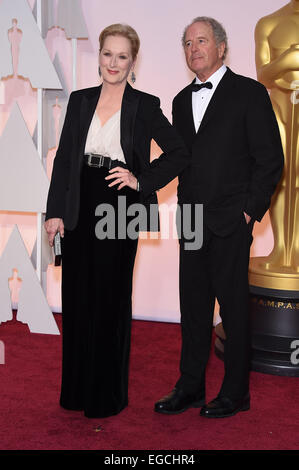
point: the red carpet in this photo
(31, 418)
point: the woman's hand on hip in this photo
(122, 177)
(52, 226)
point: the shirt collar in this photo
(216, 77)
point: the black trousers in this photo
(218, 270)
(96, 305)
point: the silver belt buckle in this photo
(90, 155)
(95, 165)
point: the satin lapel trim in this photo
(88, 107)
(189, 113)
(220, 97)
(129, 108)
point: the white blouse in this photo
(105, 140)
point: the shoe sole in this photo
(196, 404)
(243, 408)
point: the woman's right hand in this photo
(52, 226)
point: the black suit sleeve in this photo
(61, 167)
(266, 153)
(174, 159)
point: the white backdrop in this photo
(160, 70)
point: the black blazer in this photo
(141, 121)
(236, 155)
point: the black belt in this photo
(97, 161)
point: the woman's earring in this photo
(99, 70)
(133, 77)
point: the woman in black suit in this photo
(107, 128)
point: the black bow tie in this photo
(197, 86)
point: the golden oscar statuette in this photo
(274, 279)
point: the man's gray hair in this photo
(218, 31)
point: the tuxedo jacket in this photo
(141, 121)
(236, 155)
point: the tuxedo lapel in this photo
(189, 113)
(185, 116)
(127, 121)
(219, 99)
(88, 107)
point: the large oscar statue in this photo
(274, 279)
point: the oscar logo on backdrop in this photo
(274, 279)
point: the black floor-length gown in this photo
(96, 304)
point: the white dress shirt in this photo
(201, 98)
(105, 140)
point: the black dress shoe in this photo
(178, 401)
(222, 407)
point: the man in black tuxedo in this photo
(228, 124)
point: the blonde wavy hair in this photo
(124, 30)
